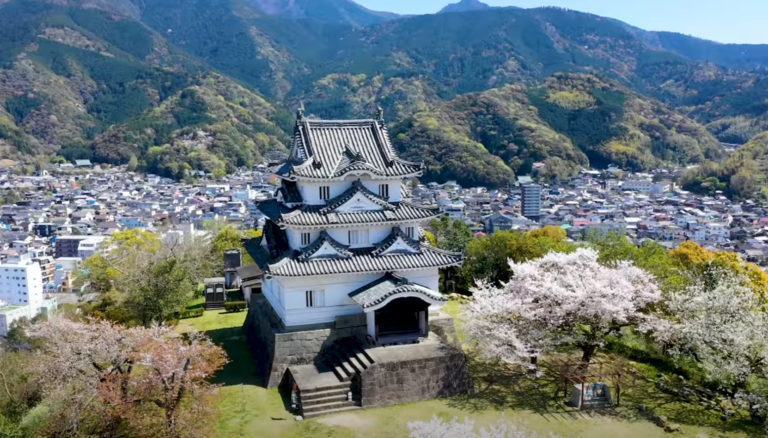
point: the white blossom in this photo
(559, 298)
(720, 324)
(437, 428)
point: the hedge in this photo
(235, 306)
(191, 313)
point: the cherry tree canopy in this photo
(721, 324)
(558, 299)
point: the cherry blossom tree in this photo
(142, 379)
(555, 300)
(721, 324)
(437, 428)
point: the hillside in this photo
(211, 84)
(571, 121)
(464, 6)
(89, 84)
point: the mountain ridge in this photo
(465, 6)
(210, 85)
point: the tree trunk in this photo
(588, 351)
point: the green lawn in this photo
(249, 410)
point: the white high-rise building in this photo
(21, 291)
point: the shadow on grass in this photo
(499, 386)
(241, 368)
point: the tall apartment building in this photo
(530, 200)
(21, 291)
(67, 246)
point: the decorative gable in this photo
(325, 247)
(399, 246)
(326, 250)
(397, 243)
(358, 202)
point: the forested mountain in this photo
(478, 94)
(570, 121)
(330, 11)
(465, 6)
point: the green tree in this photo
(487, 258)
(450, 235)
(227, 238)
(133, 163)
(168, 288)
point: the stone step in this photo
(327, 406)
(341, 359)
(362, 357)
(324, 400)
(331, 411)
(340, 385)
(337, 366)
(321, 394)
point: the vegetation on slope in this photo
(569, 122)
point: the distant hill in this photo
(465, 6)
(330, 11)
(571, 121)
(212, 84)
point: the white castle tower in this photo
(341, 239)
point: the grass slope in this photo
(247, 409)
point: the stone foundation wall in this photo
(409, 381)
(274, 348)
(443, 325)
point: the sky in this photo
(725, 21)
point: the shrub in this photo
(191, 313)
(235, 306)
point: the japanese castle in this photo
(341, 237)
(350, 310)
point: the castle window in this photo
(411, 232)
(384, 191)
(315, 298)
(359, 238)
(305, 239)
(325, 193)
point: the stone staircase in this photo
(346, 359)
(328, 400)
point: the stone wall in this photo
(274, 348)
(408, 381)
(443, 325)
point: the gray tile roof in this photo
(387, 286)
(333, 148)
(361, 262)
(319, 215)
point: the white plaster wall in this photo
(310, 191)
(337, 300)
(376, 234)
(271, 289)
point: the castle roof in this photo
(390, 285)
(330, 214)
(327, 149)
(327, 256)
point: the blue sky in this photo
(734, 21)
